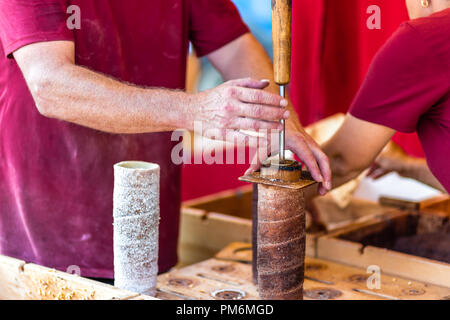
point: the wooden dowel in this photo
(281, 35)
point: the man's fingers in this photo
(301, 149)
(376, 172)
(252, 124)
(233, 136)
(254, 165)
(372, 170)
(324, 164)
(255, 96)
(241, 123)
(322, 190)
(261, 112)
(262, 153)
(250, 83)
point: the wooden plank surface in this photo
(231, 270)
(334, 217)
(332, 247)
(28, 281)
(10, 270)
(391, 262)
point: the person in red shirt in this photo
(76, 98)
(407, 89)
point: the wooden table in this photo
(228, 276)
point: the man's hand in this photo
(233, 106)
(312, 156)
(309, 152)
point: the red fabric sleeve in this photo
(404, 81)
(23, 22)
(213, 24)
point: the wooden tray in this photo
(362, 244)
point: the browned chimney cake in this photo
(280, 239)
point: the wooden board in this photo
(348, 251)
(439, 203)
(334, 217)
(391, 262)
(27, 281)
(230, 271)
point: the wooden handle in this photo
(281, 34)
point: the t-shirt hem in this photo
(385, 123)
(30, 39)
(243, 29)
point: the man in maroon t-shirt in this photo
(74, 102)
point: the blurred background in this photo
(331, 51)
(257, 15)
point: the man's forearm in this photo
(78, 95)
(72, 93)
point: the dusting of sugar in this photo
(136, 223)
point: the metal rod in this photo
(255, 232)
(282, 132)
